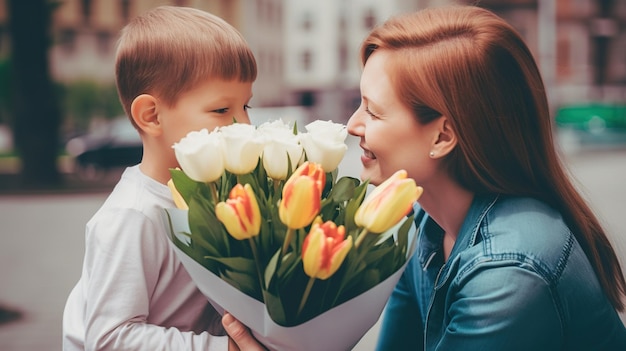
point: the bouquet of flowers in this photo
(269, 232)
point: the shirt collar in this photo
(430, 234)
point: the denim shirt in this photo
(516, 279)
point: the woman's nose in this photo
(354, 125)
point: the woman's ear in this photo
(446, 138)
(144, 112)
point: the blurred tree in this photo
(5, 91)
(36, 112)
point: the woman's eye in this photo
(220, 110)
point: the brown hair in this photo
(169, 50)
(468, 64)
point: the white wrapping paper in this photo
(339, 328)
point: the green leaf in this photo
(354, 203)
(236, 264)
(185, 185)
(270, 270)
(190, 249)
(344, 189)
(206, 228)
(275, 308)
(244, 282)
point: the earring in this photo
(431, 154)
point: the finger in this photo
(240, 334)
(232, 345)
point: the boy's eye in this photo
(372, 114)
(246, 107)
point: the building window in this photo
(104, 42)
(369, 21)
(67, 39)
(306, 60)
(86, 11)
(125, 9)
(307, 21)
(343, 57)
(563, 63)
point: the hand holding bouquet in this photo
(267, 214)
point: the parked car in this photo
(115, 145)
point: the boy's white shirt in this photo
(134, 293)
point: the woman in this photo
(509, 255)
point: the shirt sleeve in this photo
(402, 327)
(497, 307)
(123, 264)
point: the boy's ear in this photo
(144, 112)
(446, 139)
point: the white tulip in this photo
(281, 143)
(200, 155)
(243, 146)
(324, 143)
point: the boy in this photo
(177, 70)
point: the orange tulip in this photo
(325, 249)
(388, 203)
(302, 194)
(240, 214)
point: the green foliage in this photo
(85, 99)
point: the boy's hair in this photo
(169, 50)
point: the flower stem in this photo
(305, 296)
(255, 253)
(276, 185)
(360, 237)
(287, 241)
(213, 188)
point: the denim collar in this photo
(430, 235)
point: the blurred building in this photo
(580, 45)
(85, 34)
(307, 51)
(322, 39)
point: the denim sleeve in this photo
(500, 307)
(402, 327)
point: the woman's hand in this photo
(240, 337)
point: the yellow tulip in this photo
(178, 199)
(302, 195)
(240, 213)
(388, 203)
(324, 250)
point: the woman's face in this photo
(391, 137)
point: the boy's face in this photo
(211, 104)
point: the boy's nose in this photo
(242, 118)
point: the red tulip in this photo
(240, 214)
(302, 194)
(388, 203)
(324, 250)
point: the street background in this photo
(43, 242)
